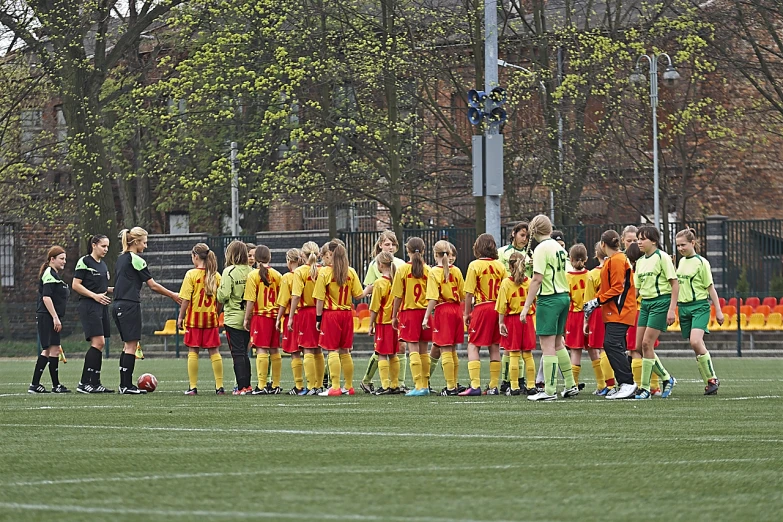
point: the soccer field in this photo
(168, 456)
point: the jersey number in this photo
(561, 261)
(342, 297)
(269, 296)
(201, 302)
(417, 292)
(494, 288)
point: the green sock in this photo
(660, 371)
(550, 374)
(564, 361)
(403, 368)
(372, 367)
(433, 364)
(504, 361)
(647, 369)
(705, 367)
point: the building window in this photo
(60, 130)
(6, 255)
(31, 121)
(351, 217)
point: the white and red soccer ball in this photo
(147, 382)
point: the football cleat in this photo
(491, 391)
(602, 392)
(712, 387)
(103, 389)
(60, 389)
(383, 391)
(470, 392)
(367, 388)
(259, 391)
(314, 391)
(656, 392)
(542, 396)
(37, 389)
(626, 391)
(277, 390)
(85, 388)
(460, 388)
(447, 392)
(346, 391)
(570, 392)
(512, 392)
(642, 394)
(581, 386)
(504, 387)
(531, 391)
(396, 391)
(331, 392)
(667, 387)
(131, 390)
(192, 391)
(295, 391)
(220, 391)
(418, 392)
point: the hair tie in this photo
(416, 251)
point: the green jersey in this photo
(653, 275)
(695, 278)
(373, 274)
(549, 260)
(505, 252)
(231, 293)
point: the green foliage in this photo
(776, 286)
(743, 285)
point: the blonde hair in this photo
(130, 237)
(236, 253)
(339, 260)
(578, 256)
(690, 235)
(310, 253)
(294, 255)
(385, 235)
(540, 226)
(442, 249)
(516, 265)
(210, 267)
(386, 259)
(600, 255)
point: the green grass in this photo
(167, 456)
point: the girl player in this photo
(482, 284)
(337, 283)
(575, 332)
(199, 314)
(594, 330)
(656, 282)
(515, 335)
(696, 292)
(293, 259)
(231, 293)
(551, 286)
(52, 299)
(91, 282)
(386, 342)
(261, 304)
(633, 253)
(387, 242)
(409, 292)
(445, 290)
(302, 313)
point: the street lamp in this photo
(670, 75)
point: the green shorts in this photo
(694, 315)
(551, 314)
(653, 313)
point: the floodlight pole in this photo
(234, 191)
(491, 203)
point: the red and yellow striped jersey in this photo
(264, 296)
(304, 285)
(483, 279)
(411, 290)
(451, 291)
(577, 282)
(202, 310)
(593, 284)
(334, 296)
(382, 299)
(284, 296)
(511, 297)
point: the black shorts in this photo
(127, 318)
(238, 340)
(95, 319)
(46, 333)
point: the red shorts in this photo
(630, 336)
(386, 342)
(290, 339)
(483, 329)
(304, 326)
(263, 333)
(336, 330)
(202, 337)
(410, 329)
(513, 341)
(575, 331)
(596, 326)
(448, 329)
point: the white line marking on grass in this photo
(750, 398)
(210, 513)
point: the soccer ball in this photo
(148, 382)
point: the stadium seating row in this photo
(752, 302)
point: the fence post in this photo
(715, 251)
(176, 336)
(739, 324)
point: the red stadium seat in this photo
(746, 310)
(753, 302)
(770, 301)
(362, 306)
(722, 301)
(733, 301)
(729, 310)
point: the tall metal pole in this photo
(234, 191)
(654, 104)
(492, 203)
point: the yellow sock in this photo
(456, 364)
(530, 369)
(334, 369)
(320, 369)
(414, 359)
(447, 362)
(277, 369)
(600, 382)
(296, 369)
(309, 369)
(513, 370)
(655, 382)
(346, 361)
(217, 369)
(494, 373)
(262, 367)
(606, 369)
(576, 369)
(474, 370)
(425, 370)
(383, 370)
(636, 370)
(394, 371)
(193, 369)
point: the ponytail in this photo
(415, 247)
(210, 267)
(442, 249)
(132, 236)
(339, 261)
(690, 235)
(387, 259)
(516, 265)
(263, 255)
(54, 251)
(310, 252)
(578, 256)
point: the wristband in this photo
(318, 318)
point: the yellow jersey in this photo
(264, 296)
(381, 302)
(483, 279)
(450, 291)
(412, 290)
(511, 297)
(593, 284)
(284, 296)
(303, 286)
(577, 283)
(202, 310)
(334, 296)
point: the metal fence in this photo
(754, 252)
